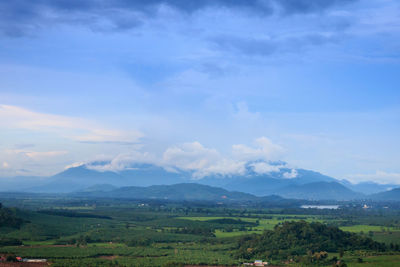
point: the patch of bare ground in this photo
(24, 264)
(210, 266)
(50, 246)
(222, 266)
(109, 257)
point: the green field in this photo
(131, 234)
(367, 228)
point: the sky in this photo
(202, 85)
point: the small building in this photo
(256, 263)
(34, 260)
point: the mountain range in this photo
(283, 181)
(391, 195)
(183, 191)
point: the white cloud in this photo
(292, 174)
(264, 167)
(378, 177)
(201, 160)
(37, 155)
(224, 167)
(190, 156)
(69, 127)
(264, 149)
(123, 161)
(74, 165)
(45, 154)
(243, 113)
(195, 158)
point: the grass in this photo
(387, 237)
(154, 255)
(374, 261)
(110, 236)
(220, 234)
(264, 224)
(366, 228)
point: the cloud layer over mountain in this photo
(202, 161)
(189, 84)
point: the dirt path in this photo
(23, 264)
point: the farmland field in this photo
(169, 234)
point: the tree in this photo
(296, 238)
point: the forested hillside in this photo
(301, 238)
(8, 218)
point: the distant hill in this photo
(193, 191)
(75, 179)
(184, 191)
(100, 188)
(392, 195)
(299, 238)
(267, 184)
(282, 181)
(368, 187)
(20, 183)
(320, 191)
(80, 178)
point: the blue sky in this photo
(201, 85)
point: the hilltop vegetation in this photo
(123, 232)
(391, 195)
(8, 218)
(299, 238)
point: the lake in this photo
(334, 207)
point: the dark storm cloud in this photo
(21, 17)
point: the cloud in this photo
(264, 149)
(289, 175)
(23, 146)
(68, 127)
(37, 155)
(264, 167)
(201, 160)
(22, 17)
(309, 6)
(74, 165)
(122, 162)
(45, 154)
(378, 177)
(266, 46)
(190, 155)
(195, 158)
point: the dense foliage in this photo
(115, 232)
(73, 214)
(8, 218)
(6, 241)
(299, 238)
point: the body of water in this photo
(334, 207)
